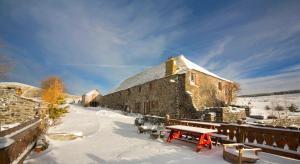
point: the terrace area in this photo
(108, 136)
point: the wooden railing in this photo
(10, 130)
(24, 137)
(280, 141)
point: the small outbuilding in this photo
(91, 98)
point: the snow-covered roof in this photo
(92, 92)
(157, 72)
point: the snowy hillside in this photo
(28, 90)
(157, 72)
(258, 104)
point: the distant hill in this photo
(271, 93)
(28, 90)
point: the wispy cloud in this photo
(217, 50)
(119, 39)
(100, 43)
(259, 48)
(106, 65)
(273, 83)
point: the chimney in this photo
(170, 66)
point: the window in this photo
(150, 86)
(129, 92)
(137, 107)
(220, 86)
(193, 78)
(140, 88)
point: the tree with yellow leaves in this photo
(53, 90)
(53, 93)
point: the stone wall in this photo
(157, 97)
(207, 91)
(224, 114)
(16, 109)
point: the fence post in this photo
(240, 137)
(167, 119)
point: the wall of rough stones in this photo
(157, 97)
(15, 109)
(205, 90)
(225, 114)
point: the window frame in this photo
(220, 86)
(193, 78)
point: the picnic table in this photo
(204, 124)
(202, 133)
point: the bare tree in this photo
(5, 63)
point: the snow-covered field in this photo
(110, 137)
(258, 104)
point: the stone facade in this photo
(181, 94)
(157, 97)
(224, 114)
(16, 109)
(208, 91)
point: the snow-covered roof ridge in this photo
(190, 65)
(157, 72)
(91, 92)
(147, 75)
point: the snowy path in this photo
(78, 122)
(110, 137)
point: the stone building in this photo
(91, 98)
(177, 87)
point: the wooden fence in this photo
(280, 141)
(24, 137)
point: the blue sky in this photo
(97, 44)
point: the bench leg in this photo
(208, 141)
(204, 139)
(200, 143)
(174, 135)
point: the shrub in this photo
(19, 91)
(267, 107)
(292, 108)
(55, 113)
(61, 101)
(279, 108)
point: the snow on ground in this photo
(16, 84)
(78, 122)
(258, 103)
(8, 126)
(110, 137)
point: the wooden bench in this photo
(218, 137)
(239, 153)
